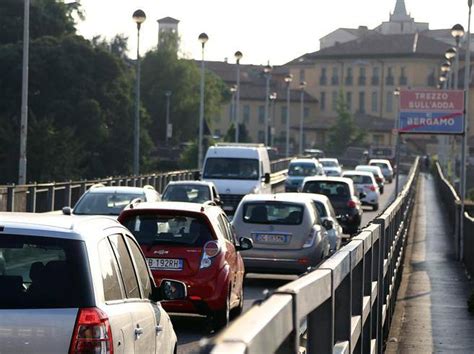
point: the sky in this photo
(263, 30)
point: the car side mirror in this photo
(266, 178)
(169, 290)
(197, 176)
(245, 243)
(362, 195)
(67, 210)
(219, 202)
(328, 224)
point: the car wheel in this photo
(238, 310)
(222, 316)
(375, 207)
(381, 190)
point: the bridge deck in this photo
(431, 312)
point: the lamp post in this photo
(24, 94)
(445, 69)
(203, 39)
(168, 128)
(273, 97)
(238, 55)
(139, 17)
(268, 74)
(288, 79)
(302, 87)
(396, 93)
(449, 55)
(233, 90)
(457, 32)
(467, 77)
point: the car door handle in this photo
(158, 329)
(138, 332)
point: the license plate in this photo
(165, 264)
(272, 238)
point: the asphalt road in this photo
(191, 329)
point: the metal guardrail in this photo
(343, 306)
(45, 197)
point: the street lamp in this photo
(233, 90)
(24, 94)
(449, 55)
(445, 68)
(268, 75)
(396, 93)
(273, 97)
(457, 32)
(238, 55)
(168, 128)
(302, 87)
(139, 17)
(203, 39)
(288, 79)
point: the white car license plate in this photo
(165, 264)
(272, 238)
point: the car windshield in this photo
(43, 272)
(157, 229)
(279, 213)
(231, 168)
(186, 193)
(104, 203)
(331, 189)
(321, 209)
(301, 169)
(380, 164)
(329, 163)
(360, 179)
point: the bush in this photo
(470, 194)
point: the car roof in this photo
(55, 225)
(361, 173)
(283, 197)
(328, 178)
(328, 159)
(191, 183)
(117, 189)
(304, 159)
(170, 205)
(315, 196)
(380, 160)
(368, 167)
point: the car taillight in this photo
(378, 179)
(92, 333)
(310, 240)
(372, 188)
(210, 250)
(351, 204)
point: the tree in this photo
(243, 134)
(344, 132)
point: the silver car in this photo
(367, 187)
(287, 233)
(79, 285)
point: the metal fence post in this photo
(31, 201)
(11, 198)
(50, 198)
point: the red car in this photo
(195, 244)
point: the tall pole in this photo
(467, 76)
(139, 17)
(302, 86)
(167, 94)
(397, 149)
(267, 94)
(273, 98)
(203, 39)
(238, 56)
(24, 95)
(288, 80)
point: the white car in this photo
(366, 186)
(385, 166)
(377, 172)
(329, 219)
(79, 285)
(331, 167)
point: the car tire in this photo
(222, 317)
(236, 312)
(375, 207)
(381, 190)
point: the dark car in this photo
(342, 194)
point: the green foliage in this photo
(189, 157)
(470, 194)
(344, 132)
(243, 134)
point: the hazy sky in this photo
(276, 30)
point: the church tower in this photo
(168, 33)
(401, 22)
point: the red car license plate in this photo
(165, 264)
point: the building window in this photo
(375, 101)
(362, 77)
(261, 136)
(322, 101)
(306, 112)
(349, 101)
(334, 100)
(389, 107)
(283, 114)
(361, 102)
(261, 114)
(323, 78)
(246, 113)
(389, 80)
(349, 79)
(403, 80)
(335, 76)
(378, 139)
(302, 75)
(375, 76)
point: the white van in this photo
(237, 170)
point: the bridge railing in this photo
(343, 306)
(452, 203)
(44, 197)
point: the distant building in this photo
(168, 33)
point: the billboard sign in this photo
(431, 112)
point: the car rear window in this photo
(302, 169)
(169, 230)
(280, 213)
(43, 272)
(379, 164)
(359, 179)
(186, 193)
(104, 203)
(332, 189)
